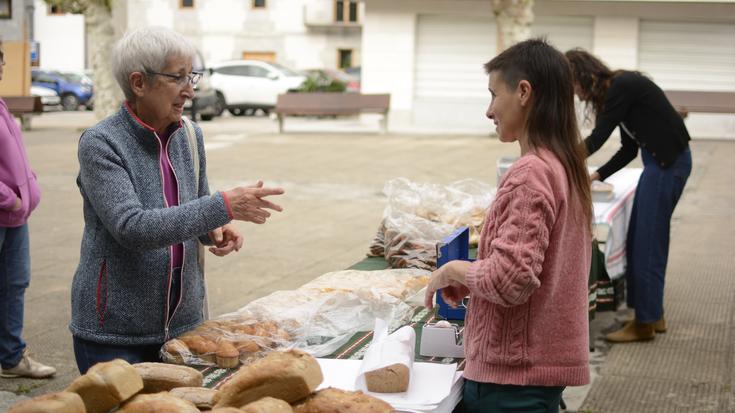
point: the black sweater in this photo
(646, 119)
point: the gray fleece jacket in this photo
(122, 284)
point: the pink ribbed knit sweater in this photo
(527, 322)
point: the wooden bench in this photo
(332, 104)
(24, 107)
(687, 101)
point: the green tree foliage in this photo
(77, 6)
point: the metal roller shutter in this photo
(450, 83)
(687, 55)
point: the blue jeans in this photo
(89, 353)
(15, 275)
(647, 247)
(505, 398)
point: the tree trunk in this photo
(514, 19)
(101, 35)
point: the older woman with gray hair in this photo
(146, 207)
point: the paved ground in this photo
(333, 204)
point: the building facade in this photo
(429, 54)
(300, 34)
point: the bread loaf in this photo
(201, 397)
(157, 403)
(267, 405)
(289, 375)
(333, 400)
(63, 402)
(158, 377)
(389, 379)
(106, 385)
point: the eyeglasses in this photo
(181, 80)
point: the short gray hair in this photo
(146, 49)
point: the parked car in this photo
(49, 98)
(332, 80)
(248, 85)
(73, 92)
(204, 103)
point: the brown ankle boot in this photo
(659, 326)
(632, 331)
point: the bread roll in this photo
(333, 400)
(227, 355)
(157, 403)
(389, 379)
(158, 377)
(106, 385)
(200, 396)
(267, 405)
(63, 402)
(289, 376)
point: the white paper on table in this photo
(430, 384)
(386, 350)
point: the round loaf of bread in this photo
(157, 403)
(63, 402)
(267, 405)
(333, 400)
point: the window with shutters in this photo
(345, 11)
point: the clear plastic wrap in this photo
(318, 317)
(406, 240)
(410, 240)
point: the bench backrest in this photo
(331, 103)
(18, 105)
(689, 101)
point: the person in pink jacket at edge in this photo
(19, 195)
(526, 328)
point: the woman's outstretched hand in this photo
(248, 203)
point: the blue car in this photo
(74, 91)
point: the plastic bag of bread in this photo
(228, 340)
(399, 283)
(410, 240)
(318, 317)
(324, 319)
(460, 204)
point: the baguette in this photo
(158, 377)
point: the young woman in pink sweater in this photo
(526, 331)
